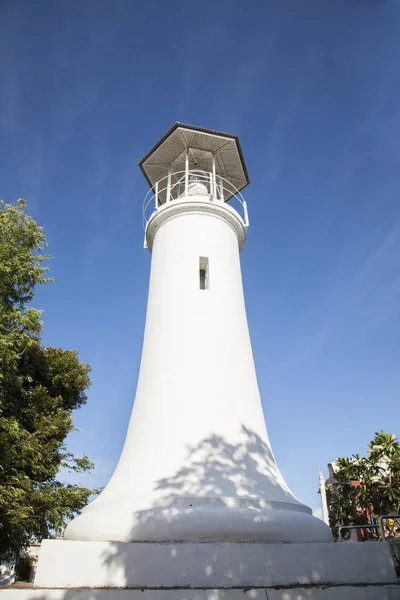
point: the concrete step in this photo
(73, 564)
(344, 592)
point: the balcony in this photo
(196, 185)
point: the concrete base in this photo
(378, 592)
(193, 519)
(70, 564)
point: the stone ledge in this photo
(379, 592)
(73, 564)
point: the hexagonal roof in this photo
(226, 147)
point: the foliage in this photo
(367, 486)
(23, 567)
(39, 388)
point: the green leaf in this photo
(39, 388)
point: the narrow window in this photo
(203, 273)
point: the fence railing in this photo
(345, 528)
(193, 183)
(391, 530)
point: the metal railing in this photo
(190, 183)
(379, 527)
(385, 518)
(355, 527)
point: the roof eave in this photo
(200, 129)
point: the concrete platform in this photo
(379, 592)
(73, 564)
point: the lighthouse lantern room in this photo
(192, 161)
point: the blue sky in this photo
(312, 88)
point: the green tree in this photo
(39, 388)
(367, 486)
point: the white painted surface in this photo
(324, 502)
(390, 592)
(106, 564)
(7, 572)
(197, 463)
(359, 593)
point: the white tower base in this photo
(74, 564)
(347, 592)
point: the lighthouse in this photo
(197, 507)
(197, 464)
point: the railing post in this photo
(246, 215)
(187, 172)
(214, 179)
(169, 186)
(221, 189)
(382, 530)
(156, 196)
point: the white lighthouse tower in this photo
(197, 508)
(197, 464)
